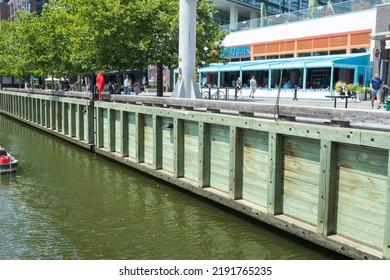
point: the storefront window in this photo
(359, 50)
(304, 54)
(334, 52)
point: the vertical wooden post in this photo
(204, 155)
(386, 238)
(178, 148)
(327, 189)
(235, 163)
(40, 113)
(90, 123)
(53, 120)
(124, 133)
(157, 142)
(48, 113)
(27, 117)
(65, 119)
(111, 130)
(275, 172)
(72, 120)
(59, 116)
(34, 110)
(80, 113)
(139, 137)
(99, 127)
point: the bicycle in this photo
(217, 95)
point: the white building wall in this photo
(362, 20)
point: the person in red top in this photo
(100, 84)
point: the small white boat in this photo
(8, 163)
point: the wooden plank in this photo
(139, 137)
(167, 144)
(148, 139)
(302, 210)
(219, 149)
(132, 134)
(178, 147)
(327, 198)
(100, 127)
(124, 131)
(204, 153)
(274, 200)
(235, 163)
(301, 178)
(157, 142)
(358, 236)
(73, 120)
(59, 117)
(386, 234)
(65, 118)
(360, 220)
(80, 113)
(191, 149)
(255, 166)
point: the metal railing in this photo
(306, 14)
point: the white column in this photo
(186, 85)
(233, 17)
(253, 16)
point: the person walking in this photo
(376, 85)
(127, 85)
(238, 87)
(253, 85)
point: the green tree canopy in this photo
(78, 36)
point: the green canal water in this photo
(64, 202)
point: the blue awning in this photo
(341, 61)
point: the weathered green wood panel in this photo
(301, 178)
(255, 166)
(131, 135)
(148, 139)
(118, 131)
(139, 138)
(65, 119)
(72, 120)
(100, 127)
(167, 144)
(275, 172)
(59, 117)
(219, 152)
(106, 128)
(157, 142)
(362, 189)
(235, 163)
(124, 127)
(386, 239)
(191, 143)
(204, 155)
(178, 147)
(327, 188)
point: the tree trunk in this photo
(160, 86)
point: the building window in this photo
(359, 50)
(304, 54)
(287, 55)
(320, 53)
(334, 52)
(259, 58)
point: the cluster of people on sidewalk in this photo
(128, 85)
(252, 86)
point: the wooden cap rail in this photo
(366, 118)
